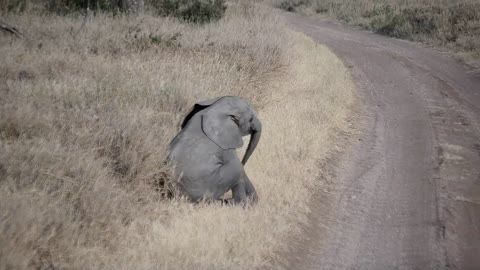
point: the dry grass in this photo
(451, 24)
(86, 116)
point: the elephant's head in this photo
(225, 120)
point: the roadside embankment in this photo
(86, 115)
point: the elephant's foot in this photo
(249, 201)
(229, 201)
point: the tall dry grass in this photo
(453, 24)
(86, 115)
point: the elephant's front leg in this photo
(233, 175)
(227, 177)
(250, 189)
(239, 192)
(244, 190)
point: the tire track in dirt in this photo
(408, 190)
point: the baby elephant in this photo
(204, 155)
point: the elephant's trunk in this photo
(255, 132)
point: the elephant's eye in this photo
(235, 119)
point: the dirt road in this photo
(407, 192)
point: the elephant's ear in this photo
(221, 129)
(198, 107)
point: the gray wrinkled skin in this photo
(203, 153)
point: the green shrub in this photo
(404, 23)
(377, 10)
(197, 11)
(392, 25)
(67, 6)
(202, 11)
(13, 5)
(423, 20)
(291, 5)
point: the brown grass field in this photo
(447, 24)
(86, 115)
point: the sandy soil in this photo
(407, 191)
